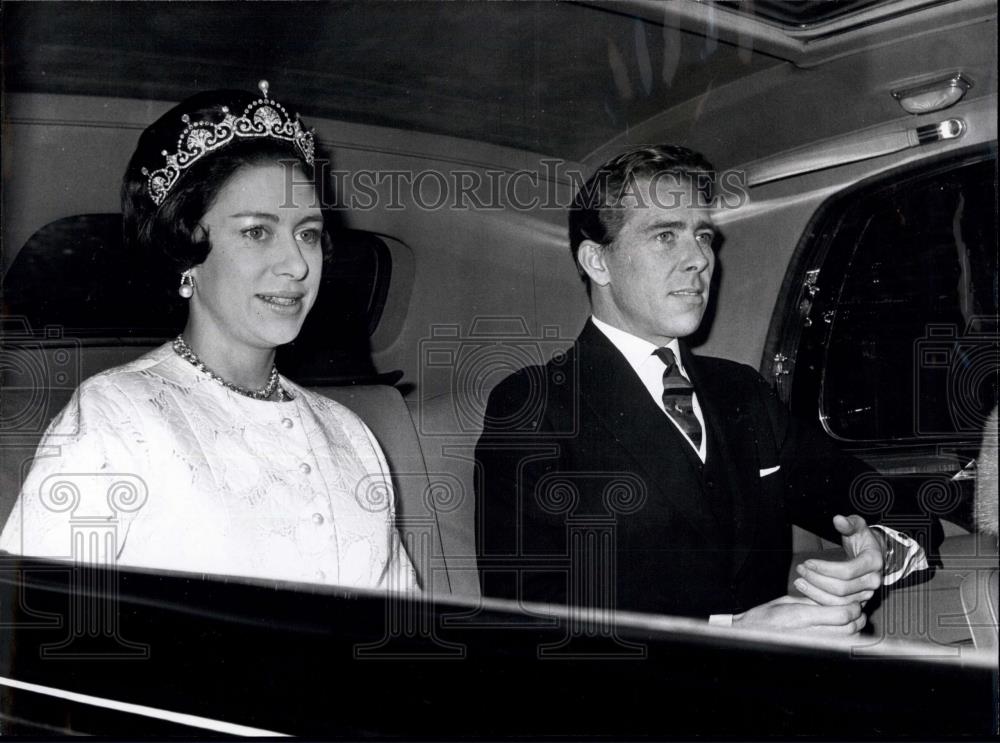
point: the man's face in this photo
(659, 268)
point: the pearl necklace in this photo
(182, 349)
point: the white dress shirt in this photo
(639, 353)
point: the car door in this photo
(887, 334)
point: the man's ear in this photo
(592, 258)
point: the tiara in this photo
(262, 118)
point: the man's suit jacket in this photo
(588, 494)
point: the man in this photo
(631, 474)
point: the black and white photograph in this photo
(480, 370)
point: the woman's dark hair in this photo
(596, 212)
(171, 226)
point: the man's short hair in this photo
(596, 212)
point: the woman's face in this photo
(262, 274)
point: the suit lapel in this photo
(731, 427)
(617, 397)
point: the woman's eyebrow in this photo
(317, 217)
(256, 215)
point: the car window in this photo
(888, 336)
(897, 309)
(912, 344)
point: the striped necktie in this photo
(677, 397)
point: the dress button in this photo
(287, 422)
(318, 518)
(305, 469)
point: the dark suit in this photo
(587, 488)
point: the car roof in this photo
(559, 79)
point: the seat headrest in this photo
(75, 273)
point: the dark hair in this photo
(596, 212)
(171, 226)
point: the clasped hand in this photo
(834, 591)
(854, 580)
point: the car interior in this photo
(859, 250)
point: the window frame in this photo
(907, 467)
(797, 301)
(285, 644)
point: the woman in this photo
(200, 456)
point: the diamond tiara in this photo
(262, 118)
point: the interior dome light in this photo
(933, 96)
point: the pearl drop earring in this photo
(186, 288)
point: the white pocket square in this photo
(769, 471)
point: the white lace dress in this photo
(153, 464)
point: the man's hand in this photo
(802, 615)
(855, 580)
